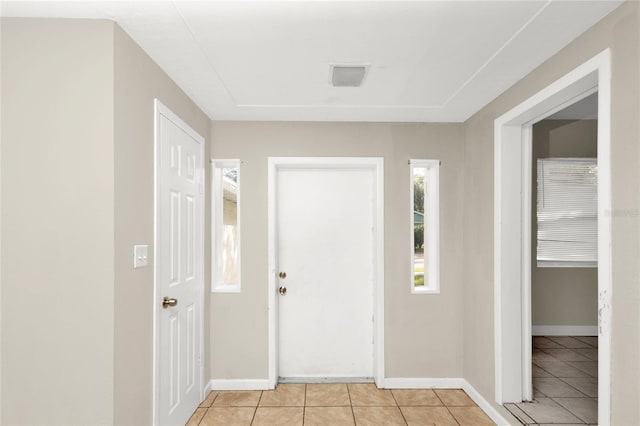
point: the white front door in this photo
(179, 279)
(325, 248)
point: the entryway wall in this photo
(620, 32)
(77, 192)
(562, 296)
(423, 333)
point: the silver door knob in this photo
(166, 302)
(282, 290)
(282, 275)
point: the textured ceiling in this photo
(427, 60)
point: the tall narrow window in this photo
(425, 224)
(225, 212)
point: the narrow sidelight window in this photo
(425, 226)
(225, 224)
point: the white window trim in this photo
(432, 219)
(217, 283)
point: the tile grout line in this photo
(447, 407)
(353, 414)
(570, 385)
(304, 403)
(201, 418)
(569, 349)
(398, 406)
(207, 410)
(255, 410)
(574, 414)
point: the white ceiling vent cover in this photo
(347, 75)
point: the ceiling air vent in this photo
(347, 76)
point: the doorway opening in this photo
(513, 211)
(564, 274)
(308, 227)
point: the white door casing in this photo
(512, 211)
(325, 230)
(179, 267)
(376, 291)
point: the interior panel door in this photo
(179, 260)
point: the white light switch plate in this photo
(140, 256)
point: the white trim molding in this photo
(376, 165)
(446, 383)
(512, 220)
(424, 383)
(207, 389)
(318, 380)
(564, 330)
(238, 384)
(484, 404)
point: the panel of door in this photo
(179, 274)
(325, 248)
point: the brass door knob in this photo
(166, 302)
(282, 290)
(282, 275)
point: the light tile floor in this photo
(339, 404)
(565, 382)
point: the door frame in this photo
(376, 166)
(512, 210)
(161, 110)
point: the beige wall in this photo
(77, 194)
(562, 296)
(138, 80)
(423, 332)
(620, 32)
(58, 222)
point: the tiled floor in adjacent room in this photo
(339, 404)
(565, 382)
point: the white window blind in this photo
(567, 212)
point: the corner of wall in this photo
(138, 81)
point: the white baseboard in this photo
(446, 383)
(239, 384)
(564, 330)
(484, 404)
(318, 380)
(207, 389)
(423, 383)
